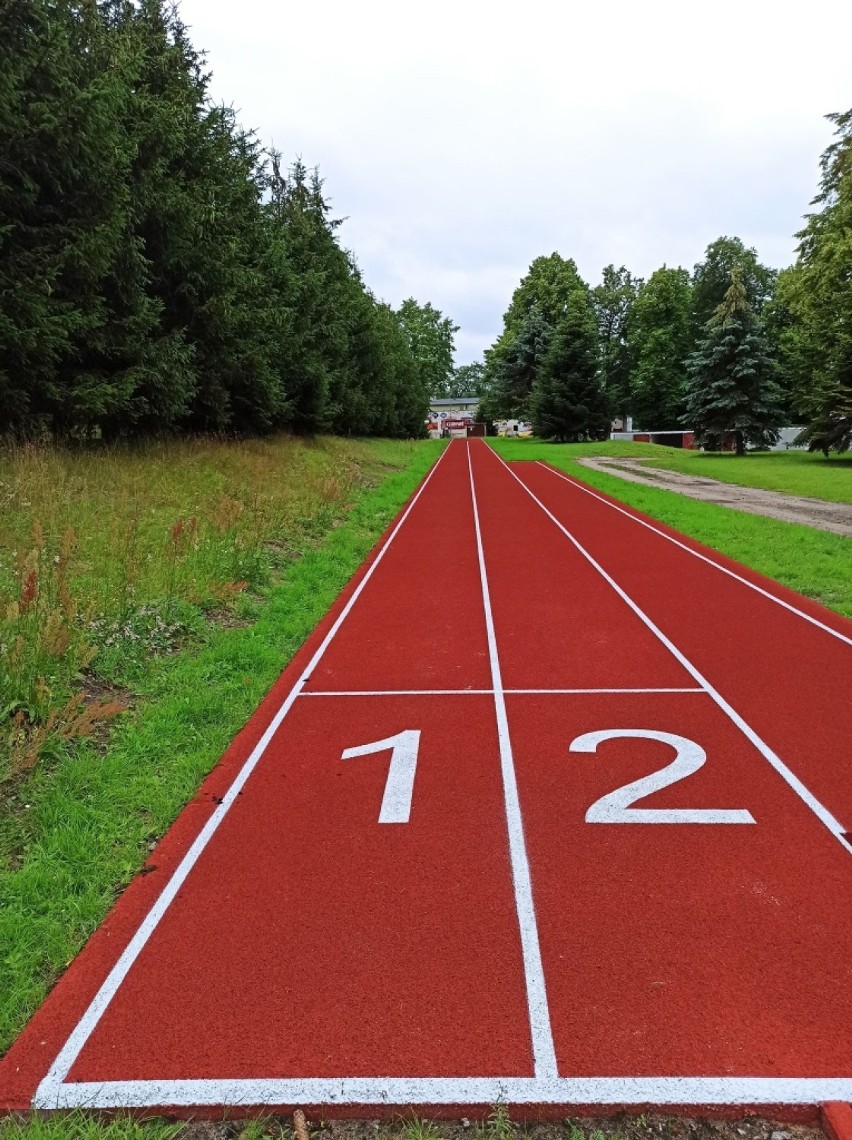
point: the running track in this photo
(436, 869)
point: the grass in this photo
(794, 472)
(812, 562)
(79, 819)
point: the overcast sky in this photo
(462, 139)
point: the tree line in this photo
(159, 269)
(733, 349)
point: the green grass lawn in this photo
(813, 562)
(281, 527)
(796, 472)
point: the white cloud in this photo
(463, 139)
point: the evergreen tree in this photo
(732, 386)
(712, 277)
(157, 270)
(568, 399)
(659, 340)
(816, 345)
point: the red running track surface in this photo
(462, 915)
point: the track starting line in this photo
(619, 872)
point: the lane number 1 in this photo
(399, 786)
(615, 807)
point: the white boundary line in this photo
(696, 554)
(820, 811)
(481, 692)
(461, 1091)
(544, 1051)
(52, 1084)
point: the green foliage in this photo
(731, 377)
(816, 344)
(430, 338)
(568, 402)
(659, 339)
(712, 277)
(516, 368)
(158, 272)
(614, 300)
(468, 380)
(545, 298)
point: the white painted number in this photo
(689, 757)
(396, 802)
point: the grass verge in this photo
(77, 825)
(793, 472)
(812, 562)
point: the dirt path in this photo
(834, 517)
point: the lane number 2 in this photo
(615, 807)
(399, 786)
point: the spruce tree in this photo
(568, 399)
(731, 377)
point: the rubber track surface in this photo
(318, 929)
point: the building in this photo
(452, 417)
(448, 408)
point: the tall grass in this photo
(108, 556)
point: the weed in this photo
(413, 1128)
(498, 1125)
(84, 1126)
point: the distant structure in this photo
(685, 439)
(454, 418)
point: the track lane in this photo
(156, 1014)
(713, 929)
(790, 677)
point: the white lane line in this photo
(544, 1052)
(396, 692)
(820, 811)
(696, 554)
(461, 1091)
(52, 1083)
(479, 692)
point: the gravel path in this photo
(834, 517)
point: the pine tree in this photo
(731, 377)
(568, 399)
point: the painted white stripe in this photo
(820, 811)
(544, 1053)
(404, 1091)
(70, 1051)
(697, 554)
(477, 692)
(396, 693)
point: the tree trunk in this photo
(740, 443)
